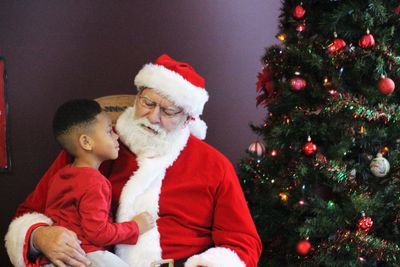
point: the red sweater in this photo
(80, 199)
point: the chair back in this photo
(114, 105)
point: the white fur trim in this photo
(15, 237)
(216, 257)
(173, 86)
(141, 193)
(198, 128)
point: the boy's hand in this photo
(145, 221)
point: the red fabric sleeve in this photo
(96, 224)
(233, 226)
(36, 201)
(26, 246)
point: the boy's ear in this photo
(85, 142)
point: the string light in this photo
(281, 36)
(326, 82)
(330, 204)
(384, 150)
(283, 196)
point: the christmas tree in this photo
(323, 180)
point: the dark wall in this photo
(57, 50)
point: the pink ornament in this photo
(257, 148)
(297, 83)
(301, 27)
(333, 92)
(299, 12)
(386, 85)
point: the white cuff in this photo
(15, 237)
(216, 257)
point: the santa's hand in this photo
(60, 245)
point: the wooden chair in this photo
(114, 105)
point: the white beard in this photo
(144, 143)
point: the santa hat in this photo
(180, 83)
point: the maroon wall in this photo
(57, 50)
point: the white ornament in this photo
(257, 148)
(379, 166)
(353, 173)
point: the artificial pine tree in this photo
(323, 185)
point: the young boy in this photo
(79, 195)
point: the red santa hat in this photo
(180, 83)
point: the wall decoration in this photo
(5, 163)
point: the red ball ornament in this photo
(303, 247)
(309, 148)
(257, 148)
(337, 45)
(299, 12)
(297, 83)
(386, 85)
(367, 40)
(365, 224)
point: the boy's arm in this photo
(30, 215)
(94, 210)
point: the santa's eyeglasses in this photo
(169, 112)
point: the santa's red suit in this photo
(192, 190)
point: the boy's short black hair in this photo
(73, 114)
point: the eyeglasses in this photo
(169, 112)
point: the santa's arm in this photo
(236, 240)
(30, 215)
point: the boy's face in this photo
(105, 144)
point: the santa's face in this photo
(162, 114)
(152, 128)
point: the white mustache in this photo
(155, 127)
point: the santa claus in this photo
(164, 168)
